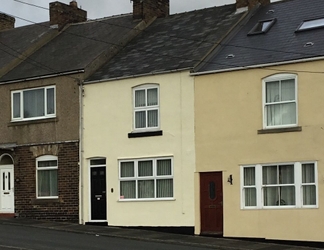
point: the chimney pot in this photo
(74, 4)
(6, 22)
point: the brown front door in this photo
(211, 203)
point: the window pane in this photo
(269, 175)
(250, 196)
(50, 101)
(308, 173)
(287, 196)
(145, 168)
(164, 188)
(42, 164)
(128, 189)
(164, 167)
(34, 103)
(140, 98)
(152, 118)
(286, 174)
(146, 189)
(127, 169)
(270, 196)
(309, 195)
(16, 105)
(98, 162)
(273, 114)
(249, 176)
(288, 113)
(288, 90)
(47, 183)
(272, 92)
(152, 97)
(140, 119)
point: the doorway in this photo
(211, 203)
(7, 196)
(98, 190)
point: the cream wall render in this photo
(108, 118)
(227, 137)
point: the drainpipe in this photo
(81, 91)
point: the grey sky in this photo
(95, 8)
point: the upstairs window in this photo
(30, 104)
(311, 24)
(146, 107)
(46, 171)
(262, 27)
(280, 101)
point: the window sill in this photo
(39, 201)
(279, 130)
(21, 123)
(145, 134)
(279, 208)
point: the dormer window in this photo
(311, 24)
(262, 27)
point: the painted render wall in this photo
(228, 108)
(108, 118)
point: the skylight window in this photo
(311, 24)
(262, 27)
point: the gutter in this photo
(43, 77)
(81, 92)
(140, 75)
(258, 66)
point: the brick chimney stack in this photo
(62, 14)
(6, 22)
(147, 9)
(250, 3)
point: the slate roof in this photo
(14, 42)
(74, 48)
(281, 43)
(176, 42)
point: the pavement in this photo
(161, 237)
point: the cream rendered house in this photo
(259, 127)
(138, 124)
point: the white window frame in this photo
(46, 158)
(278, 77)
(21, 93)
(154, 177)
(297, 184)
(146, 108)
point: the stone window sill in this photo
(21, 123)
(279, 130)
(145, 134)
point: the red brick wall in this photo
(66, 208)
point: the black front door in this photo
(98, 193)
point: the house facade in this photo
(138, 151)
(40, 88)
(261, 136)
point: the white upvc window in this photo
(146, 107)
(31, 104)
(283, 185)
(280, 101)
(46, 176)
(146, 179)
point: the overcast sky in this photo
(95, 8)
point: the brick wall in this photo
(66, 207)
(6, 22)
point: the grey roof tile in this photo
(172, 43)
(74, 48)
(281, 43)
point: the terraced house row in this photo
(203, 122)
